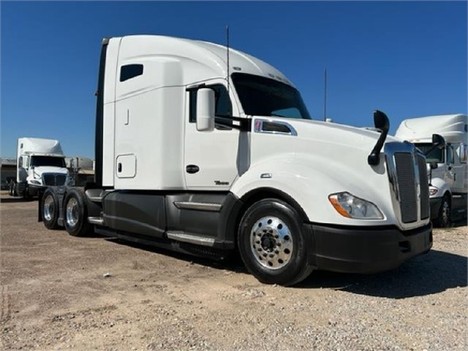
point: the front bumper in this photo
(366, 250)
(34, 189)
(435, 203)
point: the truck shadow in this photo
(459, 223)
(230, 261)
(424, 275)
(15, 199)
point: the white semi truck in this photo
(40, 163)
(447, 166)
(208, 150)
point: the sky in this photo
(408, 59)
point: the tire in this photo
(12, 188)
(75, 214)
(272, 244)
(26, 196)
(444, 218)
(15, 190)
(50, 209)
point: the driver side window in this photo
(450, 159)
(462, 153)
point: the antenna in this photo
(325, 96)
(227, 58)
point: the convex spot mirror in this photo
(205, 110)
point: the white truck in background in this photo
(40, 163)
(447, 166)
(208, 150)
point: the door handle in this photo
(127, 121)
(192, 169)
(119, 167)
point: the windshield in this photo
(436, 155)
(267, 97)
(52, 161)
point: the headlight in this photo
(433, 190)
(35, 182)
(70, 181)
(351, 206)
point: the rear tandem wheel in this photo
(76, 214)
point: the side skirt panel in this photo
(196, 219)
(134, 212)
(210, 217)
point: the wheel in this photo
(15, 189)
(272, 244)
(444, 218)
(12, 188)
(75, 214)
(50, 209)
(26, 194)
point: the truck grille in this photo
(408, 177)
(54, 179)
(407, 187)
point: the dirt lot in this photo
(61, 292)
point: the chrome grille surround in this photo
(424, 179)
(408, 183)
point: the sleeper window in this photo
(130, 71)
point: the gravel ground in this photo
(59, 292)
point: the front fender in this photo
(310, 179)
(442, 187)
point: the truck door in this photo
(450, 172)
(458, 170)
(21, 169)
(213, 159)
(462, 152)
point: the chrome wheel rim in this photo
(271, 242)
(49, 208)
(72, 212)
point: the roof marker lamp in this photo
(350, 206)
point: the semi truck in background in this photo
(207, 150)
(447, 166)
(40, 163)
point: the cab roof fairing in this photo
(207, 54)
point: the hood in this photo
(342, 136)
(49, 169)
(47, 175)
(321, 142)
